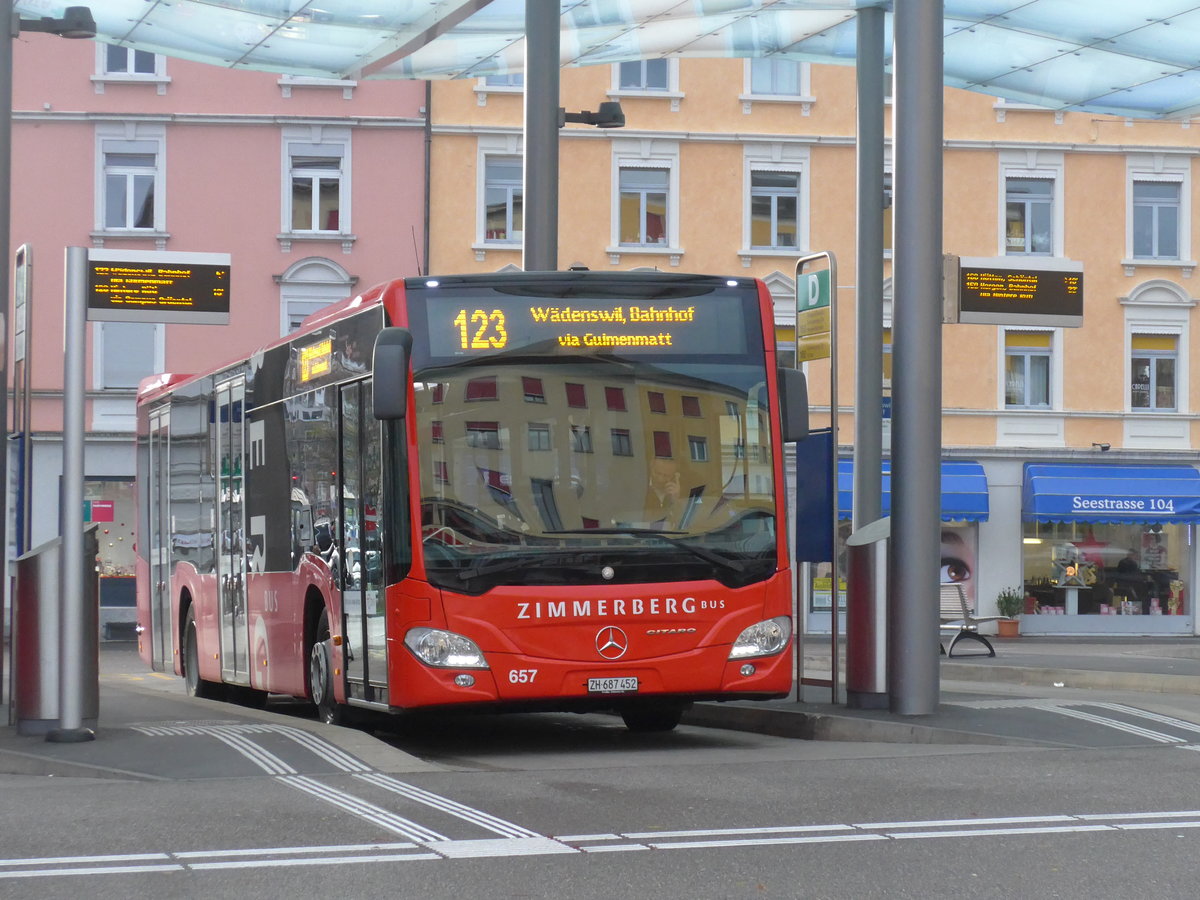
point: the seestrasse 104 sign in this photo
(148, 286)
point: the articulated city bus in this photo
(554, 491)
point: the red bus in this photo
(551, 491)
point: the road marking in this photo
(604, 842)
(466, 813)
(364, 809)
(1070, 708)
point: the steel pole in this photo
(868, 381)
(540, 199)
(917, 353)
(72, 620)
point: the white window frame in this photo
(1160, 307)
(672, 92)
(131, 137)
(104, 77)
(1160, 167)
(309, 285)
(118, 410)
(638, 153)
(803, 95)
(1055, 370)
(316, 140)
(1042, 165)
(491, 145)
(483, 86)
(515, 236)
(775, 156)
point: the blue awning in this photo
(1113, 494)
(964, 490)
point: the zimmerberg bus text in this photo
(583, 609)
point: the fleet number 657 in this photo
(522, 676)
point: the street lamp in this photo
(76, 22)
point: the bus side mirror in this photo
(389, 398)
(793, 405)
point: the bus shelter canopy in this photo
(1102, 56)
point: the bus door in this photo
(361, 545)
(231, 557)
(159, 536)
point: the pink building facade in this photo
(316, 188)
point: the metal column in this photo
(913, 673)
(541, 135)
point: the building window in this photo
(576, 395)
(484, 435)
(129, 182)
(309, 285)
(643, 204)
(774, 209)
(127, 61)
(436, 434)
(691, 406)
(780, 77)
(534, 392)
(482, 388)
(315, 173)
(503, 215)
(657, 401)
(441, 472)
(1156, 219)
(581, 438)
(539, 436)
(507, 80)
(1152, 372)
(662, 444)
(437, 392)
(1029, 211)
(621, 443)
(698, 448)
(127, 352)
(614, 398)
(644, 75)
(1027, 369)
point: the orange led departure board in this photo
(181, 288)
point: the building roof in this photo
(1104, 56)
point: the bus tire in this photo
(320, 675)
(646, 719)
(193, 683)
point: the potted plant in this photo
(1010, 602)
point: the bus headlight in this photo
(445, 649)
(763, 638)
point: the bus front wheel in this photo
(320, 676)
(644, 719)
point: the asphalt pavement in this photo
(1036, 691)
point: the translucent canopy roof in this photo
(1107, 56)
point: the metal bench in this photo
(957, 616)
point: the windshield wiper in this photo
(732, 565)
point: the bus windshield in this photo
(573, 471)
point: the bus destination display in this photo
(461, 325)
(182, 288)
(1028, 294)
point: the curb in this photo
(1134, 682)
(811, 726)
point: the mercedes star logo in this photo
(611, 642)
